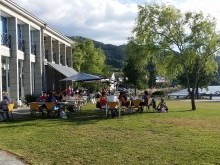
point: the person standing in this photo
(145, 101)
(69, 91)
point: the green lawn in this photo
(179, 137)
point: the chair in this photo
(35, 107)
(10, 110)
(112, 106)
(135, 104)
(50, 108)
(127, 107)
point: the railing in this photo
(33, 49)
(6, 40)
(21, 45)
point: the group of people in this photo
(60, 96)
(4, 106)
(146, 101)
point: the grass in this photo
(181, 137)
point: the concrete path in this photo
(9, 159)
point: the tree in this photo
(189, 40)
(78, 59)
(206, 76)
(135, 64)
(152, 73)
(87, 58)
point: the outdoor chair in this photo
(10, 108)
(126, 108)
(113, 107)
(50, 109)
(34, 108)
(135, 104)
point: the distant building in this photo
(33, 55)
(160, 79)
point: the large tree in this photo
(135, 64)
(189, 40)
(87, 58)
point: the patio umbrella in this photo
(81, 77)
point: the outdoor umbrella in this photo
(81, 77)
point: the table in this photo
(75, 101)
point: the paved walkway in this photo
(9, 159)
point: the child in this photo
(162, 107)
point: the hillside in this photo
(114, 54)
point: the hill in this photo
(114, 54)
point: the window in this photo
(33, 77)
(4, 30)
(33, 46)
(20, 41)
(5, 74)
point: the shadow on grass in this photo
(187, 110)
(76, 118)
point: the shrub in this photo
(30, 98)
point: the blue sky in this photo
(107, 21)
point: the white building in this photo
(33, 56)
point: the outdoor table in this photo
(75, 101)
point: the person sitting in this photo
(123, 100)
(43, 97)
(113, 98)
(4, 106)
(51, 98)
(103, 101)
(162, 107)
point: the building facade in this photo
(33, 55)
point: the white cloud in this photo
(108, 21)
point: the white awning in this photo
(66, 71)
(82, 77)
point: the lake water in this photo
(209, 90)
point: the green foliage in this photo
(152, 74)
(30, 98)
(87, 58)
(182, 43)
(135, 65)
(114, 54)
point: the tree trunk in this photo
(192, 97)
(197, 91)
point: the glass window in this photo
(3, 30)
(33, 77)
(19, 28)
(5, 74)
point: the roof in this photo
(65, 70)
